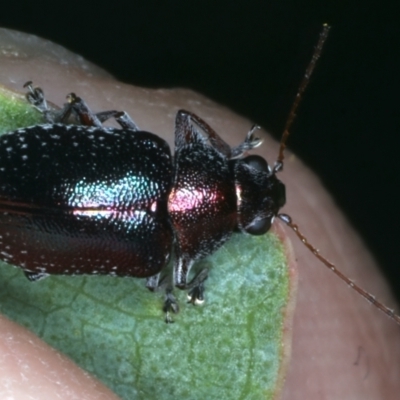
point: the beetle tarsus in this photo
(196, 295)
(35, 276)
(196, 287)
(153, 283)
(249, 143)
(36, 98)
(170, 305)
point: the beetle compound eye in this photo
(257, 162)
(259, 227)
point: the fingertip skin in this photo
(28, 365)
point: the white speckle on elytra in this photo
(23, 252)
(9, 149)
(6, 255)
(75, 144)
(24, 157)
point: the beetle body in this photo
(95, 200)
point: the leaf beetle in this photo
(92, 200)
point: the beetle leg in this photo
(184, 132)
(196, 286)
(171, 305)
(121, 117)
(88, 118)
(81, 111)
(154, 284)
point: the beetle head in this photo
(260, 194)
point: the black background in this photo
(251, 55)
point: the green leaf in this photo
(16, 112)
(231, 347)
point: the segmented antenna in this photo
(369, 297)
(303, 85)
(279, 164)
